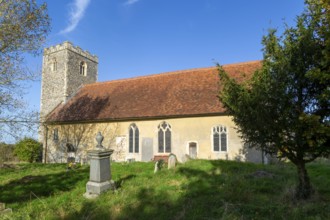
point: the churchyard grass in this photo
(198, 189)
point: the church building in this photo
(141, 118)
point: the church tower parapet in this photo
(69, 46)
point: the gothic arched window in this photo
(164, 137)
(133, 145)
(219, 134)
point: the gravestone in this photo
(171, 161)
(3, 210)
(156, 167)
(100, 171)
(147, 149)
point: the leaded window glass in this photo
(136, 141)
(160, 140)
(223, 141)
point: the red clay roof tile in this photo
(174, 94)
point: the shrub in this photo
(6, 153)
(28, 149)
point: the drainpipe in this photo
(45, 143)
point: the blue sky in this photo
(141, 37)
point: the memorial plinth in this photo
(100, 170)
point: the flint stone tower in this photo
(65, 69)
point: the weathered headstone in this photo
(2, 206)
(156, 167)
(100, 171)
(3, 210)
(171, 161)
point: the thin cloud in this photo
(77, 12)
(131, 2)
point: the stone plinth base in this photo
(100, 173)
(94, 189)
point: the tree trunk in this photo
(304, 189)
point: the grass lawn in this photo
(198, 189)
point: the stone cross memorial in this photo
(100, 171)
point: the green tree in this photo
(23, 28)
(284, 108)
(28, 150)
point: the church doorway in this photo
(71, 151)
(193, 150)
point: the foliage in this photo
(6, 153)
(199, 189)
(23, 28)
(78, 137)
(160, 164)
(285, 106)
(28, 150)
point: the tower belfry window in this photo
(83, 68)
(54, 65)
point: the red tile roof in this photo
(175, 94)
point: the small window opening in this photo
(54, 65)
(55, 134)
(83, 68)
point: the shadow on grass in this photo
(90, 210)
(119, 182)
(23, 189)
(210, 193)
(197, 190)
(214, 193)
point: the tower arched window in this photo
(164, 137)
(133, 134)
(54, 65)
(83, 68)
(219, 134)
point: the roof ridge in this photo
(170, 73)
(242, 63)
(151, 75)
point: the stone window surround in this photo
(135, 135)
(83, 68)
(222, 130)
(54, 65)
(165, 127)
